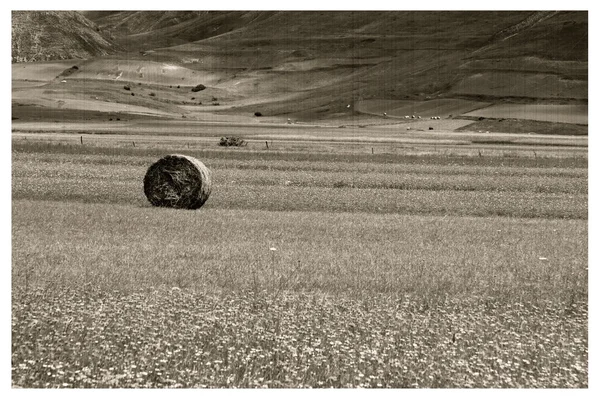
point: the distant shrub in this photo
(300, 53)
(198, 88)
(152, 94)
(127, 87)
(215, 103)
(178, 86)
(133, 94)
(232, 141)
(68, 71)
(258, 114)
(214, 99)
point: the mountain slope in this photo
(144, 30)
(56, 35)
(324, 64)
(330, 59)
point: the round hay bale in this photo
(178, 181)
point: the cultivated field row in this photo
(311, 148)
(573, 114)
(474, 180)
(276, 161)
(427, 192)
(132, 248)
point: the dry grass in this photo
(177, 338)
(369, 286)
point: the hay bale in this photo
(177, 181)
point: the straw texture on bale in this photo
(178, 181)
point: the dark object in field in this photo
(232, 141)
(127, 87)
(430, 128)
(178, 86)
(133, 94)
(198, 88)
(68, 71)
(178, 181)
(481, 118)
(152, 94)
(193, 98)
(258, 114)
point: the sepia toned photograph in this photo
(299, 199)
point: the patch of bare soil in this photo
(525, 126)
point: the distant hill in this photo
(331, 59)
(144, 30)
(320, 64)
(56, 35)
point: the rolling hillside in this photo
(328, 65)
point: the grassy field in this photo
(322, 269)
(425, 109)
